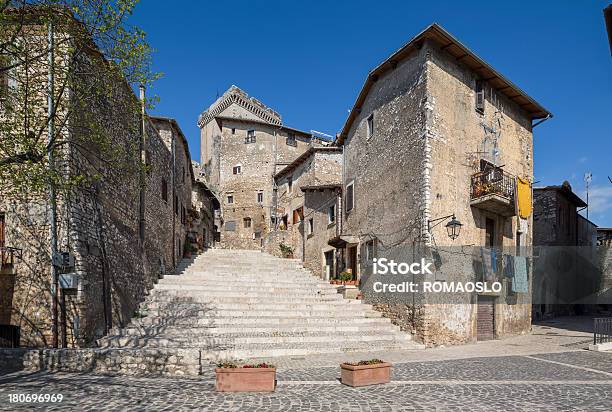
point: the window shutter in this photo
(480, 96)
(349, 197)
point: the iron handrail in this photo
(602, 330)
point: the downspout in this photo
(143, 163)
(174, 200)
(548, 116)
(52, 193)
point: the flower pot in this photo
(245, 379)
(363, 375)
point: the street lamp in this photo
(453, 228)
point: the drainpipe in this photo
(548, 116)
(143, 162)
(52, 193)
(174, 200)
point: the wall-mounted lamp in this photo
(453, 228)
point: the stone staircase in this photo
(239, 304)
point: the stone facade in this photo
(414, 144)
(306, 189)
(568, 268)
(556, 218)
(119, 252)
(243, 145)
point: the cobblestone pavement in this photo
(577, 380)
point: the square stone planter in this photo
(245, 379)
(364, 375)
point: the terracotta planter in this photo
(364, 375)
(245, 379)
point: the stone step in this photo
(247, 321)
(263, 351)
(237, 298)
(234, 293)
(309, 290)
(221, 342)
(261, 329)
(267, 281)
(264, 314)
(317, 306)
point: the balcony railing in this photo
(492, 181)
(602, 330)
(493, 190)
(8, 255)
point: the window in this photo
(350, 196)
(247, 222)
(183, 174)
(233, 130)
(237, 169)
(369, 249)
(331, 214)
(310, 226)
(298, 215)
(289, 184)
(480, 96)
(250, 137)
(148, 163)
(370, 124)
(176, 212)
(183, 215)
(164, 189)
(230, 226)
(4, 80)
(230, 199)
(291, 139)
(257, 235)
(490, 233)
(259, 197)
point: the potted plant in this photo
(346, 277)
(363, 373)
(260, 377)
(286, 251)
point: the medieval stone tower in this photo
(243, 144)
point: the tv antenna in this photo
(588, 177)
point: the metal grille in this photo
(602, 330)
(492, 181)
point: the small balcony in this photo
(493, 189)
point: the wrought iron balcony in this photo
(493, 190)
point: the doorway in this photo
(485, 318)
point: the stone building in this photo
(436, 132)
(556, 218)
(567, 268)
(307, 192)
(243, 144)
(119, 230)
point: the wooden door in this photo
(485, 318)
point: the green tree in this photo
(98, 58)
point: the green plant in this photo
(365, 362)
(227, 365)
(344, 276)
(234, 365)
(285, 249)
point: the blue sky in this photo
(308, 60)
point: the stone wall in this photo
(456, 132)
(224, 128)
(420, 157)
(316, 205)
(99, 224)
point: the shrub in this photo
(365, 362)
